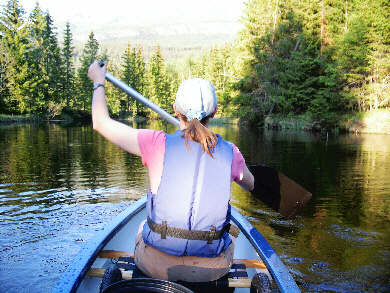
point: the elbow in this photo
(99, 124)
(96, 124)
(251, 184)
(248, 181)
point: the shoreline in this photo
(375, 121)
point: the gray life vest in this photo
(194, 194)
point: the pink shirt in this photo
(152, 146)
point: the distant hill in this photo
(176, 40)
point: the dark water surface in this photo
(59, 185)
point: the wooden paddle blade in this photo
(278, 191)
(267, 185)
(293, 197)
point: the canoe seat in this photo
(236, 278)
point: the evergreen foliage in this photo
(316, 58)
(14, 35)
(113, 95)
(84, 84)
(45, 66)
(4, 65)
(134, 74)
(67, 53)
(159, 90)
(307, 57)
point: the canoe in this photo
(254, 258)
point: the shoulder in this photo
(151, 143)
(227, 144)
(150, 136)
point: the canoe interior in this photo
(124, 240)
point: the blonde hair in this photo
(197, 131)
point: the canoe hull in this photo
(120, 235)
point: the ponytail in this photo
(197, 131)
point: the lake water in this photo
(60, 184)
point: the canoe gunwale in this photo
(78, 268)
(275, 266)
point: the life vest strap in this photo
(165, 230)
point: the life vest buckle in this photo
(211, 235)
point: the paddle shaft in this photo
(140, 98)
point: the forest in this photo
(318, 59)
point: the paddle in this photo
(272, 187)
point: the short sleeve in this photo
(152, 146)
(237, 165)
(150, 142)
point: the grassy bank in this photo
(297, 122)
(376, 121)
(224, 120)
(4, 118)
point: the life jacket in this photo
(194, 194)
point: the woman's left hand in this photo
(97, 73)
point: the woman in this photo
(186, 235)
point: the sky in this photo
(98, 14)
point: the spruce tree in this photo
(128, 73)
(54, 67)
(45, 65)
(140, 81)
(159, 87)
(69, 71)
(14, 37)
(113, 94)
(84, 84)
(38, 74)
(288, 71)
(4, 65)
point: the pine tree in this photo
(45, 66)
(15, 42)
(159, 87)
(67, 53)
(38, 74)
(375, 92)
(4, 65)
(84, 84)
(140, 84)
(128, 73)
(113, 94)
(54, 67)
(289, 71)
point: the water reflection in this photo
(59, 184)
(342, 236)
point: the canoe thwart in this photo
(114, 254)
(249, 263)
(99, 273)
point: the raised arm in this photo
(118, 133)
